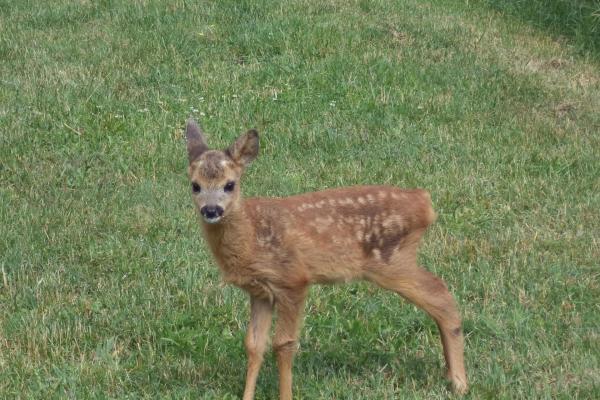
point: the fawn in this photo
(273, 248)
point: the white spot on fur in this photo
(377, 254)
(324, 221)
(320, 204)
(393, 222)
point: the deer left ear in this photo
(245, 149)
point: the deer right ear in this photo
(245, 149)
(196, 145)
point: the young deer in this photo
(273, 248)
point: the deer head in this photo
(215, 174)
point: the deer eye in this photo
(195, 187)
(229, 186)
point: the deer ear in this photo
(196, 145)
(245, 149)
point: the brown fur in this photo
(274, 248)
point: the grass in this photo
(576, 21)
(107, 290)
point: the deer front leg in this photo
(261, 312)
(285, 344)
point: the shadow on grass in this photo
(312, 368)
(333, 364)
(576, 20)
(406, 367)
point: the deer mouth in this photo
(212, 220)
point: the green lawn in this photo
(106, 288)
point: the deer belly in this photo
(333, 264)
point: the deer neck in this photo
(232, 239)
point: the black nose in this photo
(211, 212)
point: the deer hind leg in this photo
(261, 312)
(427, 291)
(285, 342)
